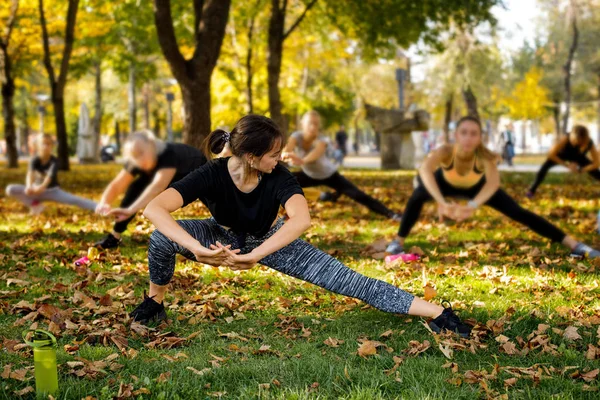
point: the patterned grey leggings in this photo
(51, 194)
(298, 259)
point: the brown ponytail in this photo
(215, 142)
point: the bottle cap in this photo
(41, 338)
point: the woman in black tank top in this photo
(571, 151)
(468, 170)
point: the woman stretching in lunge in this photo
(306, 150)
(41, 183)
(468, 170)
(571, 151)
(243, 193)
(151, 165)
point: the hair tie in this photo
(227, 137)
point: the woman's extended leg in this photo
(303, 261)
(540, 177)
(342, 185)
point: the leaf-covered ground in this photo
(260, 334)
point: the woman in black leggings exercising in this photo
(244, 193)
(308, 151)
(571, 151)
(468, 170)
(151, 165)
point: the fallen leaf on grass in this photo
(369, 348)
(446, 351)
(429, 292)
(415, 347)
(201, 372)
(23, 392)
(163, 377)
(571, 333)
(333, 342)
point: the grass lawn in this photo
(260, 334)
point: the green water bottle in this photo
(44, 359)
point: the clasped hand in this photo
(220, 255)
(454, 211)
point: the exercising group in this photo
(245, 186)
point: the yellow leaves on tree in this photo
(529, 98)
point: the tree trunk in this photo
(249, 72)
(567, 69)
(8, 112)
(8, 90)
(156, 116)
(598, 111)
(194, 75)
(277, 35)
(196, 104)
(471, 102)
(57, 84)
(118, 136)
(58, 104)
(25, 130)
(131, 100)
(97, 120)
(275, 53)
(448, 117)
(147, 107)
(556, 116)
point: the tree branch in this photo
(211, 29)
(12, 19)
(47, 61)
(69, 39)
(168, 41)
(198, 7)
(299, 20)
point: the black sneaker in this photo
(149, 311)
(328, 196)
(109, 242)
(449, 321)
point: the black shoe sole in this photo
(437, 329)
(102, 247)
(161, 316)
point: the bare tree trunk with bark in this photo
(277, 35)
(57, 84)
(97, 120)
(448, 117)
(131, 100)
(8, 90)
(568, 66)
(194, 74)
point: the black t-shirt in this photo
(180, 156)
(50, 168)
(252, 213)
(574, 153)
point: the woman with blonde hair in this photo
(151, 166)
(41, 182)
(467, 169)
(307, 150)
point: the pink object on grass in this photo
(403, 256)
(82, 261)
